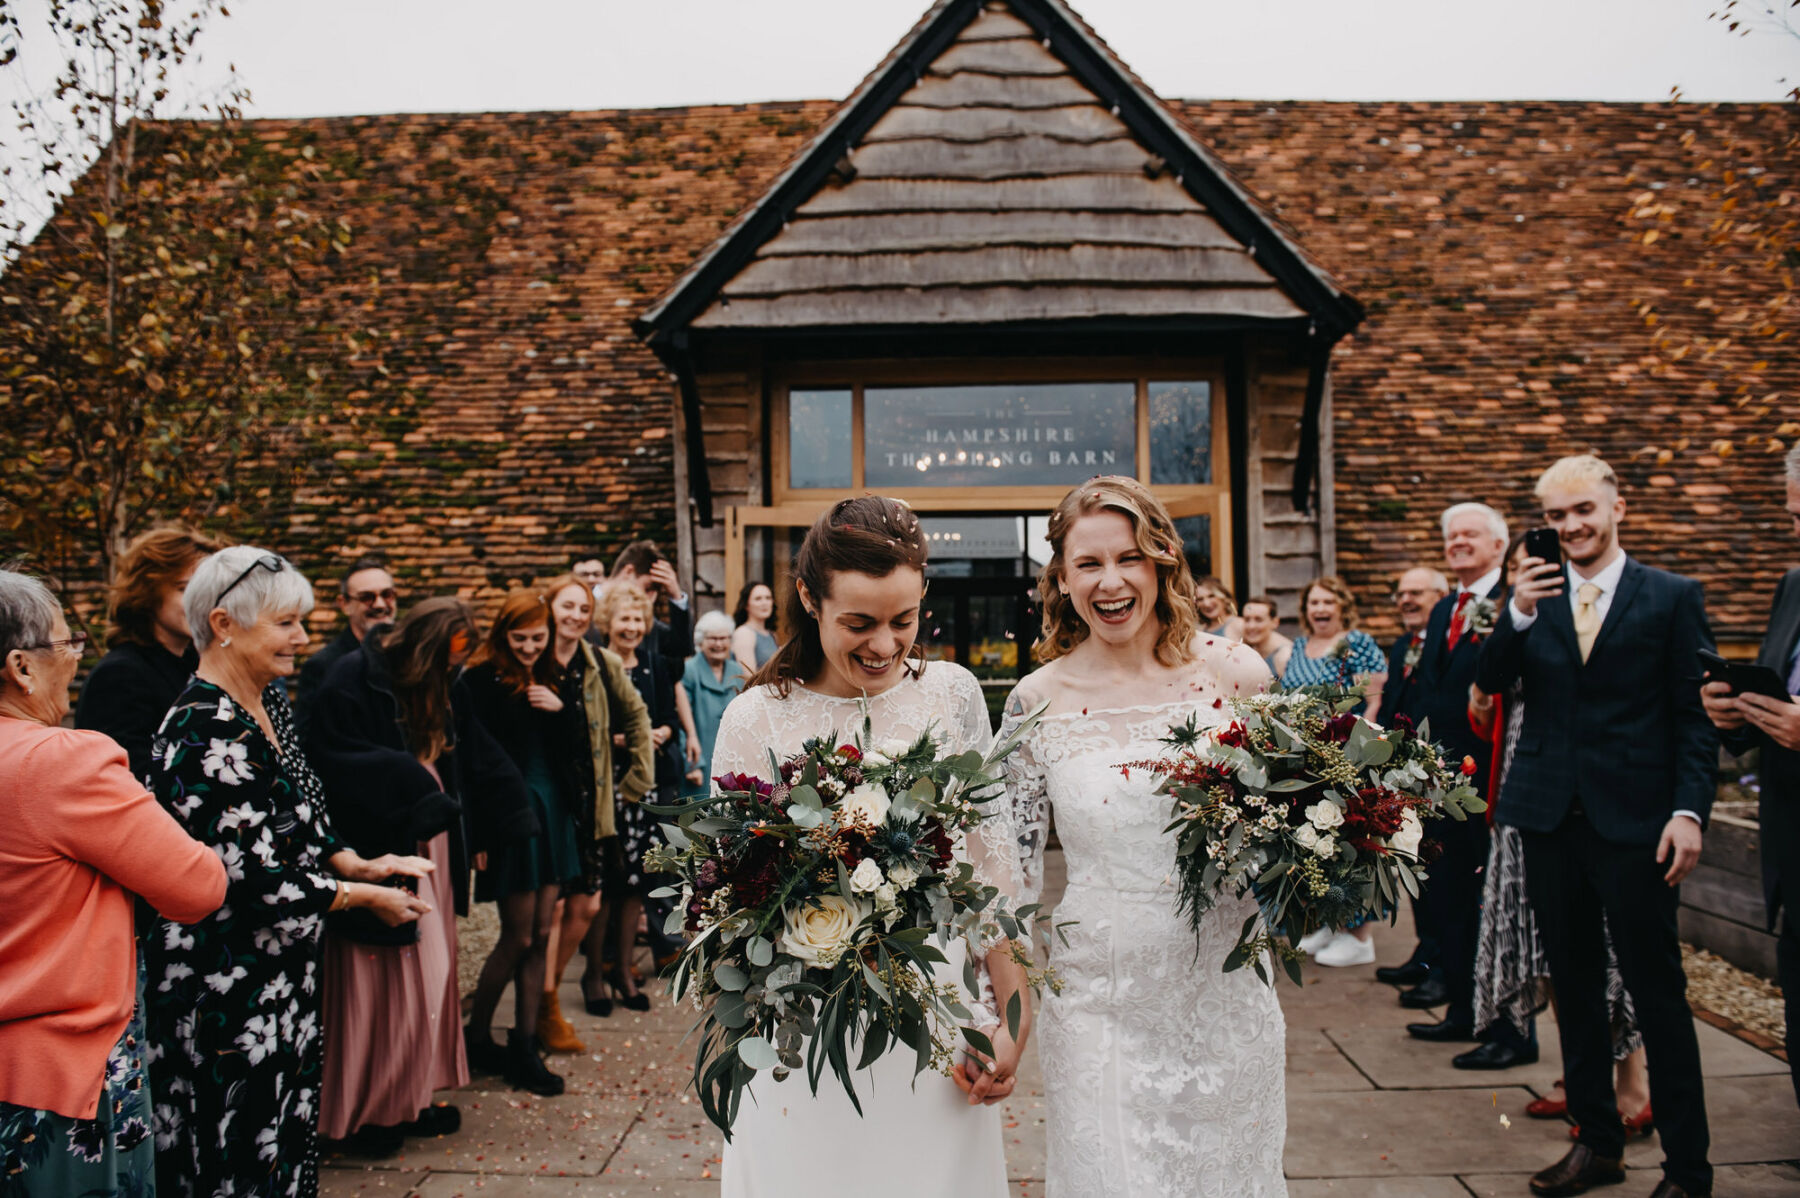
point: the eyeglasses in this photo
(370, 598)
(75, 640)
(269, 562)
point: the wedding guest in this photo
(712, 679)
(407, 771)
(1512, 976)
(233, 1004)
(753, 643)
(83, 837)
(1754, 721)
(625, 614)
(590, 680)
(643, 565)
(1610, 789)
(368, 596)
(547, 739)
(1334, 652)
(1218, 612)
(1261, 619)
(1449, 908)
(1416, 592)
(150, 655)
(590, 572)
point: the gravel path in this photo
(1724, 989)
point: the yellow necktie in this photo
(1587, 617)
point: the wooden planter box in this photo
(1722, 900)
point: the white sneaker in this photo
(1312, 942)
(1346, 949)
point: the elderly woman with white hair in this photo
(234, 1000)
(82, 837)
(713, 678)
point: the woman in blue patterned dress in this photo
(233, 1001)
(1334, 652)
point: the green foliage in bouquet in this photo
(818, 900)
(1313, 811)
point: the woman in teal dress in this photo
(1334, 652)
(712, 679)
(544, 731)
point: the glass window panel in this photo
(1180, 433)
(1196, 543)
(1041, 434)
(819, 439)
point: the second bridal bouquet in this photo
(818, 897)
(1314, 812)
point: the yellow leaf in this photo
(1650, 236)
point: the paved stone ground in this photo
(1371, 1113)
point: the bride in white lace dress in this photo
(860, 581)
(1163, 1075)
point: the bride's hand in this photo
(987, 1080)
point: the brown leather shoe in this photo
(1668, 1189)
(1576, 1173)
(555, 1032)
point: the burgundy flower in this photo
(744, 783)
(850, 753)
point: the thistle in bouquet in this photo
(819, 897)
(1314, 811)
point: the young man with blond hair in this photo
(1610, 788)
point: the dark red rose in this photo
(850, 753)
(938, 842)
(743, 783)
(1339, 727)
(1234, 736)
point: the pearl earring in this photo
(226, 641)
(30, 690)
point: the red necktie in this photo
(1456, 617)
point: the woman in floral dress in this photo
(233, 1001)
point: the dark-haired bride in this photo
(1162, 1074)
(859, 581)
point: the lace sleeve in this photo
(1026, 805)
(742, 744)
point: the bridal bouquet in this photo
(818, 899)
(1315, 812)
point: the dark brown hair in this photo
(1154, 532)
(1340, 589)
(742, 614)
(1274, 612)
(872, 535)
(639, 556)
(368, 561)
(521, 609)
(152, 563)
(418, 653)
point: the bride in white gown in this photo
(860, 581)
(1163, 1075)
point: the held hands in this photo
(987, 1080)
(1781, 721)
(1538, 579)
(1723, 708)
(353, 868)
(391, 906)
(1680, 847)
(543, 698)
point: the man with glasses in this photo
(368, 598)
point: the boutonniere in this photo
(1415, 652)
(1480, 617)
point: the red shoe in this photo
(1554, 1107)
(1642, 1125)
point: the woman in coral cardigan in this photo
(83, 836)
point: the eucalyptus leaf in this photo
(758, 1053)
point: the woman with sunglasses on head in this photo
(82, 838)
(407, 768)
(234, 1001)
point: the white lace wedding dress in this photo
(1163, 1075)
(914, 1138)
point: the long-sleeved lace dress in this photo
(913, 1137)
(1162, 1074)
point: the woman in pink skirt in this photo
(405, 763)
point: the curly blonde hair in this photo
(616, 597)
(1154, 531)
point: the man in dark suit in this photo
(1758, 722)
(1416, 593)
(1610, 788)
(642, 564)
(367, 597)
(1474, 546)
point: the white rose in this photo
(868, 803)
(1307, 835)
(894, 748)
(1406, 840)
(1325, 814)
(818, 932)
(903, 876)
(874, 757)
(866, 877)
(1327, 847)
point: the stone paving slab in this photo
(1752, 1121)
(523, 1135)
(1315, 1064)
(361, 1181)
(1415, 1133)
(463, 1185)
(1370, 1187)
(670, 1140)
(1729, 1181)
(1396, 1061)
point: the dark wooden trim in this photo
(1237, 417)
(1306, 461)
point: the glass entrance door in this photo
(981, 606)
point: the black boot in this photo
(484, 1055)
(526, 1069)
